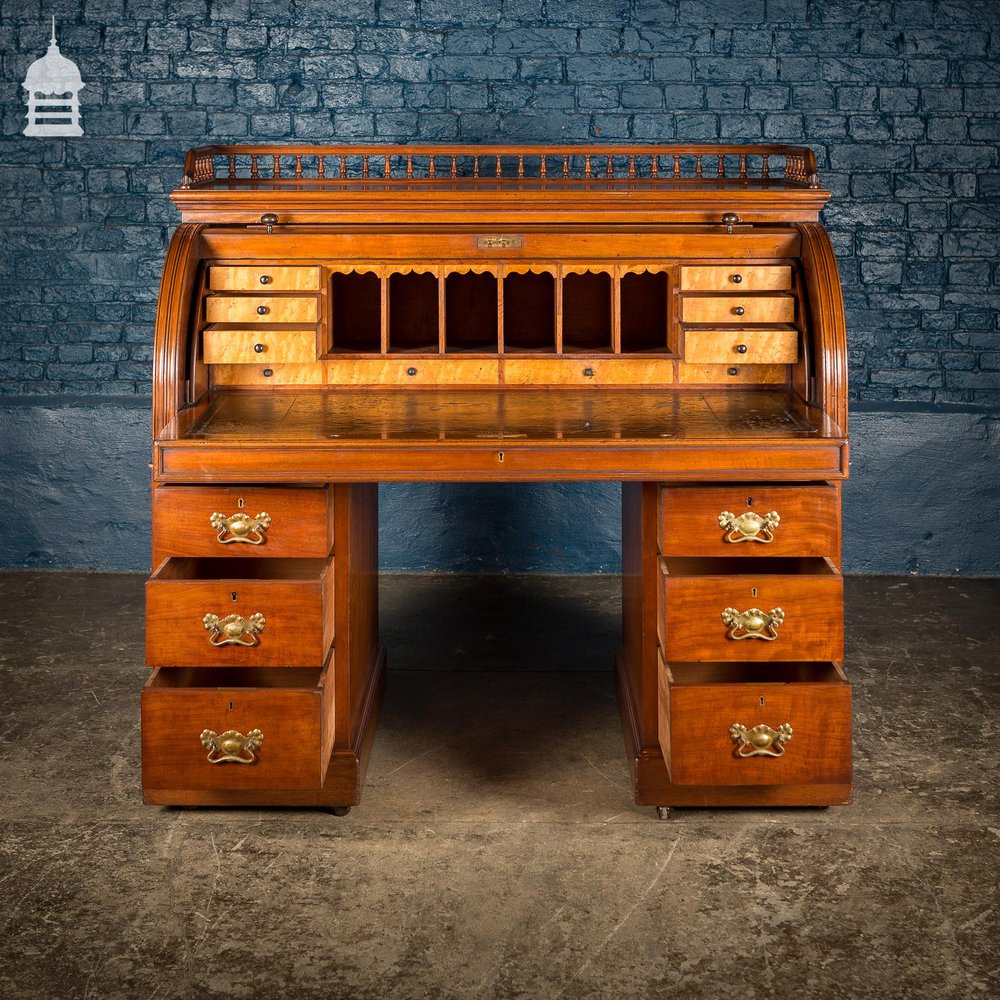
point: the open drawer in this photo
(755, 610)
(207, 728)
(239, 613)
(759, 724)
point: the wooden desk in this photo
(332, 318)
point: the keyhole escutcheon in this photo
(499, 456)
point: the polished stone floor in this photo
(497, 853)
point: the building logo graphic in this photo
(53, 84)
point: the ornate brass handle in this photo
(748, 526)
(241, 527)
(761, 741)
(231, 746)
(234, 630)
(753, 623)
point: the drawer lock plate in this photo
(761, 741)
(232, 746)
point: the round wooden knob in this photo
(265, 279)
(258, 348)
(734, 278)
(737, 311)
(261, 310)
(741, 348)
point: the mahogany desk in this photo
(332, 318)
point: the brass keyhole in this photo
(234, 596)
(761, 702)
(753, 591)
(231, 704)
(749, 501)
(241, 503)
(499, 456)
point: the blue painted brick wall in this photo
(899, 100)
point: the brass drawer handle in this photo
(753, 623)
(240, 527)
(761, 741)
(231, 746)
(233, 630)
(748, 526)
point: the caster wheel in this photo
(340, 810)
(663, 812)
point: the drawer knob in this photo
(262, 310)
(741, 348)
(753, 623)
(258, 348)
(588, 372)
(737, 310)
(749, 526)
(736, 279)
(265, 279)
(233, 630)
(240, 527)
(761, 741)
(729, 219)
(231, 746)
(411, 371)
(269, 219)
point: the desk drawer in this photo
(789, 521)
(741, 347)
(772, 724)
(752, 610)
(278, 724)
(261, 309)
(258, 347)
(738, 309)
(239, 612)
(242, 521)
(431, 370)
(263, 278)
(737, 277)
(584, 371)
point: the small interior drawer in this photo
(256, 347)
(736, 277)
(278, 724)
(263, 277)
(242, 521)
(239, 612)
(261, 309)
(738, 308)
(709, 714)
(749, 520)
(755, 610)
(433, 370)
(741, 347)
(588, 371)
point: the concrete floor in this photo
(497, 852)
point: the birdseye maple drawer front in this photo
(243, 521)
(260, 309)
(263, 278)
(603, 371)
(239, 612)
(268, 376)
(415, 371)
(749, 520)
(750, 609)
(738, 309)
(737, 278)
(740, 724)
(206, 728)
(255, 347)
(744, 347)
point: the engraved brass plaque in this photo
(499, 242)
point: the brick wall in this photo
(899, 100)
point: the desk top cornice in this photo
(500, 184)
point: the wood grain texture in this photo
(258, 347)
(412, 371)
(694, 592)
(301, 521)
(264, 375)
(751, 278)
(243, 309)
(699, 703)
(722, 347)
(602, 371)
(688, 521)
(731, 374)
(263, 277)
(296, 598)
(292, 708)
(756, 309)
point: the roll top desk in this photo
(332, 318)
